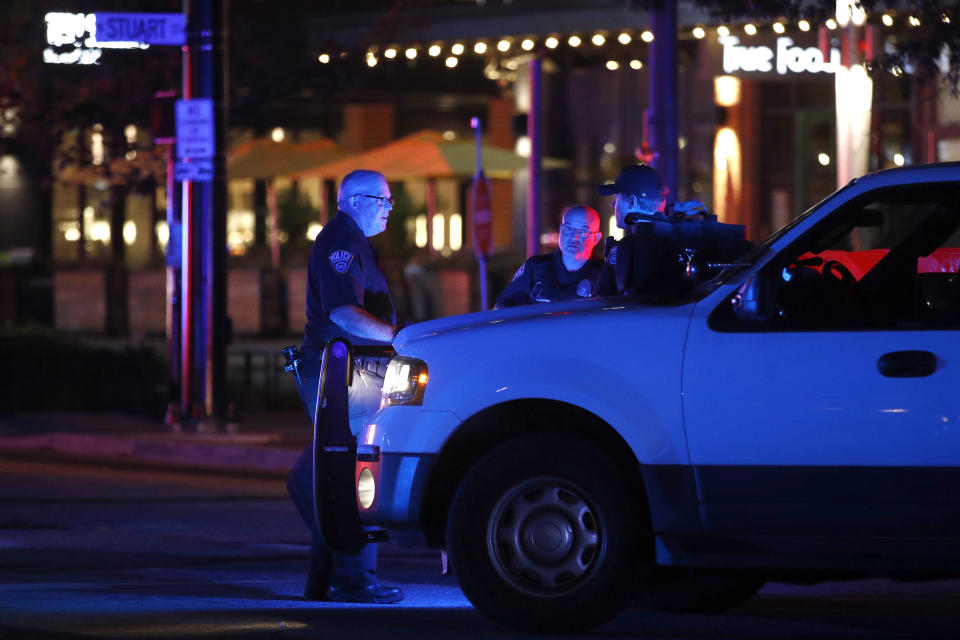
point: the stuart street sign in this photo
(148, 28)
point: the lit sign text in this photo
(786, 59)
(72, 39)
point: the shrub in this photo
(45, 370)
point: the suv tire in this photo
(543, 534)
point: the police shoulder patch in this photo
(536, 294)
(340, 260)
(585, 288)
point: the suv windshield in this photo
(748, 258)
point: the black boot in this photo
(354, 579)
(367, 593)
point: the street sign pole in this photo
(204, 320)
(189, 280)
(172, 325)
(480, 207)
(166, 29)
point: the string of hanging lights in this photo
(506, 48)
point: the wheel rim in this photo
(544, 538)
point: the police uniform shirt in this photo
(643, 262)
(343, 270)
(544, 278)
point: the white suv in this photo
(795, 417)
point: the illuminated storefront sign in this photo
(72, 39)
(785, 57)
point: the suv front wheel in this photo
(543, 534)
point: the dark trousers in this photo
(363, 398)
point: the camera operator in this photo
(639, 199)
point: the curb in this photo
(207, 453)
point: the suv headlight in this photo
(404, 382)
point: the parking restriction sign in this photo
(195, 138)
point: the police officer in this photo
(665, 248)
(565, 274)
(646, 255)
(347, 297)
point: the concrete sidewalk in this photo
(263, 444)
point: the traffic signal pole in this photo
(203, 280)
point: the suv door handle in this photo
(907, 364)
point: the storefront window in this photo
(91, 226)
(66, 223)
(240, 231)
(456, 231)
(137, 230)
(241, 220)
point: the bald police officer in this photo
(566, 274)
(347, 297)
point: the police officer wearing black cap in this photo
(639, 199)
(569, 273)
(347, 297)
(665, 249)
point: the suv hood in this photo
(525, 313)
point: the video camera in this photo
(667, 253)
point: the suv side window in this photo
(888, 260)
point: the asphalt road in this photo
(104, 552)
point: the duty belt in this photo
(376, 366)
(310, 365)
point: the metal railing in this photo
(255, 378)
